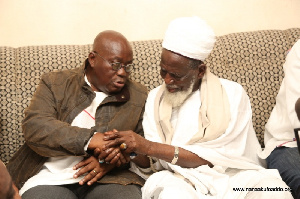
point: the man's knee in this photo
(165, 184)
(115, 191)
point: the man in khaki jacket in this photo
(66, 118)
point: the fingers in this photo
(95, 174)
(105, 153)
(85, 166)
(111, 132)
(124, 159)
(110, 135)
(82, 163)
(97, 152)
(113, 143)
(113, 157)
(91, 177)
(83, 170)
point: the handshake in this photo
(109, 150)
(116, 147)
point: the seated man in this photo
(198, 128)
(8, 190)
(280, 144)
(66, 119)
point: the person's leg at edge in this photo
(49, 192)
(287, 161)
(114, 191)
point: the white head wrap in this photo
(190, 37)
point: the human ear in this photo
(91, 59)
(201, 70)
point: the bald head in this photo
(109, 48)
(109, 39)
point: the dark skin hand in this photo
(111, 155)
(97, 143)
(144, 148)
(114, 159)
(94, 168)
(141, 160)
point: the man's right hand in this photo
(97, 141)
(111, 155)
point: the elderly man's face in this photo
(110, 50)
(177, 73)
(180, 79)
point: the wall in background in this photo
(51, 22)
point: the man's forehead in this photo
(174, 61)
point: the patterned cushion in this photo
(8, 123)
(253, 59)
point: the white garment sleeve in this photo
(238, 146)
(87, 144)
(292, 83)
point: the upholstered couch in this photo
(253, 59)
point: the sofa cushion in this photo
(253, 59)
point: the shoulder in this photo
(153, 92)
(237, 97)
(137, 90)
(297, 45)
(152, 95)
(234, 90)
(231, 85)
(58, 77)
(137, 87)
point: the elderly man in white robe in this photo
(199, 135)
(281, 150)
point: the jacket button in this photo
(122, 96)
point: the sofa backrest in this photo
(253, 59)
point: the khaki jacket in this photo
(59, 98)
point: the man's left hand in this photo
(94, 169)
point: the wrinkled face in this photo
(102, 76)
(177, 73)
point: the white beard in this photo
(176, 99)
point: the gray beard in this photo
(176, 99)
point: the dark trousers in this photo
(76, 191)
(287, 161)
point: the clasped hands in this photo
(112, 149)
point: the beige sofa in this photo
(253, 59)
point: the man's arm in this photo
(45, 133)
(141, 146)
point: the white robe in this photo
(232, 153)
(280, 126)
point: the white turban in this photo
(190, 37)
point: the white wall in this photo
(50, 22)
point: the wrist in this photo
(148, 148)
(93, 143)
(176, 155)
